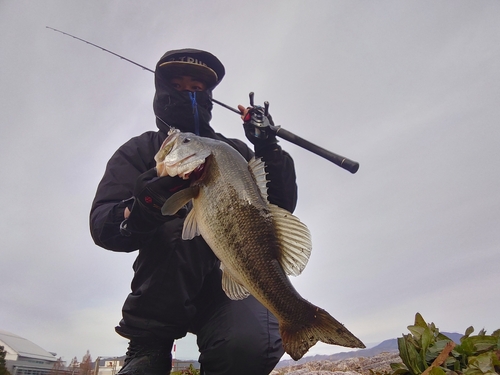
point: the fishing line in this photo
(339, 160)
(133, 62)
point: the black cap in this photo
(191, 62)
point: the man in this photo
(177, 284)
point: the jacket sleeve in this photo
(115, 190)
(282, 187)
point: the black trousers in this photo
(240, 337)
(177, 289)
(233, 337)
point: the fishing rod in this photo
(258, 118)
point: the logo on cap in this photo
(188, 59)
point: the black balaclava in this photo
(184, 110)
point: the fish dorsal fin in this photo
(295, 240)
(234, 290)
(190, 229)
(179, 199)
(258, 170)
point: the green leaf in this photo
(410, 356)
(483, 363)
(427, 340)
(466, 348)
(417, 332)
(399, 369)
(467, 333)
(419, 321)
(437, 371)
(403, 351)
(483, 343)
(398, 366)
(452, 364)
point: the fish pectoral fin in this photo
(190, 229)
(178, 200)
(257, 169)
(234, 290)
(295, 240)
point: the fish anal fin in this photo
(295, 240)
(257, 169)
(320, 326)
(178, 200)
(233, 289)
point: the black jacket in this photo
(174, 279)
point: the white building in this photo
(24, 357)
(108, 366)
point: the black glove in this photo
(262, 137)
(150, 193)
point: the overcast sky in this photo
(409, 89)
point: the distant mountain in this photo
(390, 345)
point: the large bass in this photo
(257, 243)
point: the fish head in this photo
(182, 154)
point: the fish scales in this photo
(243, 238)
(257, 243)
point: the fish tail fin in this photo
(321, 326)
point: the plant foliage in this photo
(427, 351)
(3, 362)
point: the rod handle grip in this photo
(343, 162)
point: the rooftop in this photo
(23, 347)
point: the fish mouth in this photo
(198, 173)
(193, 174)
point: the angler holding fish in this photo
(229, 285)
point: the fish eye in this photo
(186, 140)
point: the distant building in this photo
(111, 365)
(108, 365)
(24, 357)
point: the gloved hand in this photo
(261, 137)
(150, 193)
